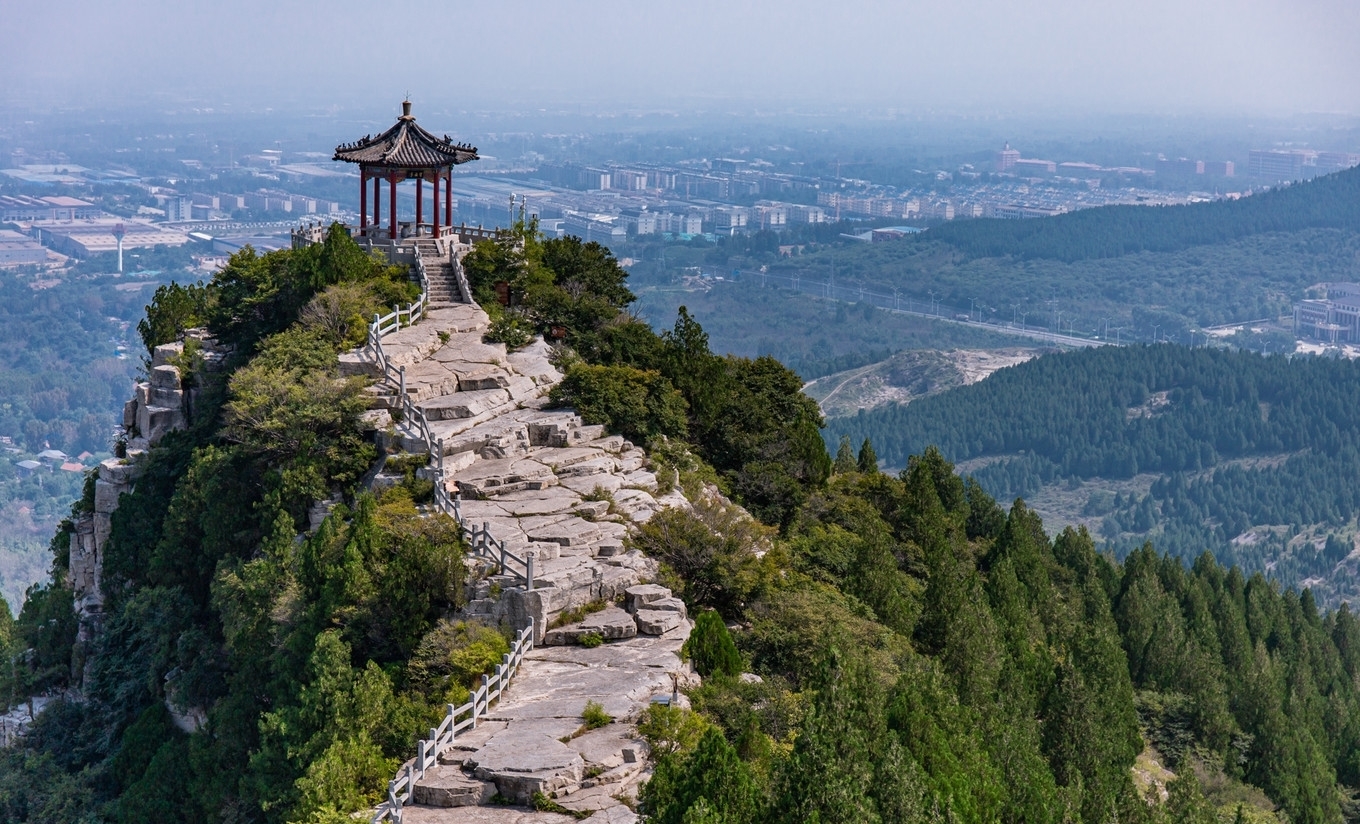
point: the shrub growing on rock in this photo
(710, 647)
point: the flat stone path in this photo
(543, 482)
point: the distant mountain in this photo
(1251, 458)
(906, 376)
(1142, 273)
(1328, 202)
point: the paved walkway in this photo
(543, 482)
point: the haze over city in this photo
(1204, 57)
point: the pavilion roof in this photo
(406, 145)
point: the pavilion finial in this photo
(406, 109)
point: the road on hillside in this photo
(935, 310)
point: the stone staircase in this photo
(544, 482)
(439, 269)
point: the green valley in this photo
(1194, 449)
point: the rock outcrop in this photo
(161, 404)
(567, 494)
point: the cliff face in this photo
(161, 404)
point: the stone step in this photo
(522, 763)
(611, 624)
(461, 404)
(449, 786)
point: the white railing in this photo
(401, 790)
(464, 290)
(481, 543)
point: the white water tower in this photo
(118, 232)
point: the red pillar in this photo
(377, 209)
(392, 207)
(448, 198)
(363, 202)
(420, 203)
(435, 205)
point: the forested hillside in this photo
(1327, 202)
(923, 654)
(1249, 457)
(1143, 273)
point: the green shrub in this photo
(710, 647)
(510, 329)
(455, 654)
(591, 640)
(595, 716)
(639, 404)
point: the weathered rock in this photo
(523, 762)
(450, 787)
(165, 377)
(612, 624)
(617, 814)
(670, 605)
(657, 621)
(464, 404)
(643, 595)
(166, 352)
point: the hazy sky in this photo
(1207, 56)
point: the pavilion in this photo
(404, 152)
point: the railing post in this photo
(529, 570)
(452, 733)
(420, 757)
(502, 548)
(402, 373)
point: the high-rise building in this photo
(178, 207)
(1279, 165)
(1007, 158)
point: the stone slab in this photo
(643, 595)
(464, 404)
(449, 786)
(657, 621)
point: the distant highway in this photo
(828, 290)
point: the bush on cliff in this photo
(710, 647)
(640, 405)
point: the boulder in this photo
(670, 605)
(657, 621)
(612, 624)
(165, 377)
(450, 787)
(642, 595)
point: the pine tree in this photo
(845, 457)
(868, 459)
(711, 648)
(829, 778)
(712, 784)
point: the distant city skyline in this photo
(1204, 56)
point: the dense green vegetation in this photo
(926, 656)
(312, 659)
(746, 417)
(1328, 202)
(1236, 441)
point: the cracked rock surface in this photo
(545, 483)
